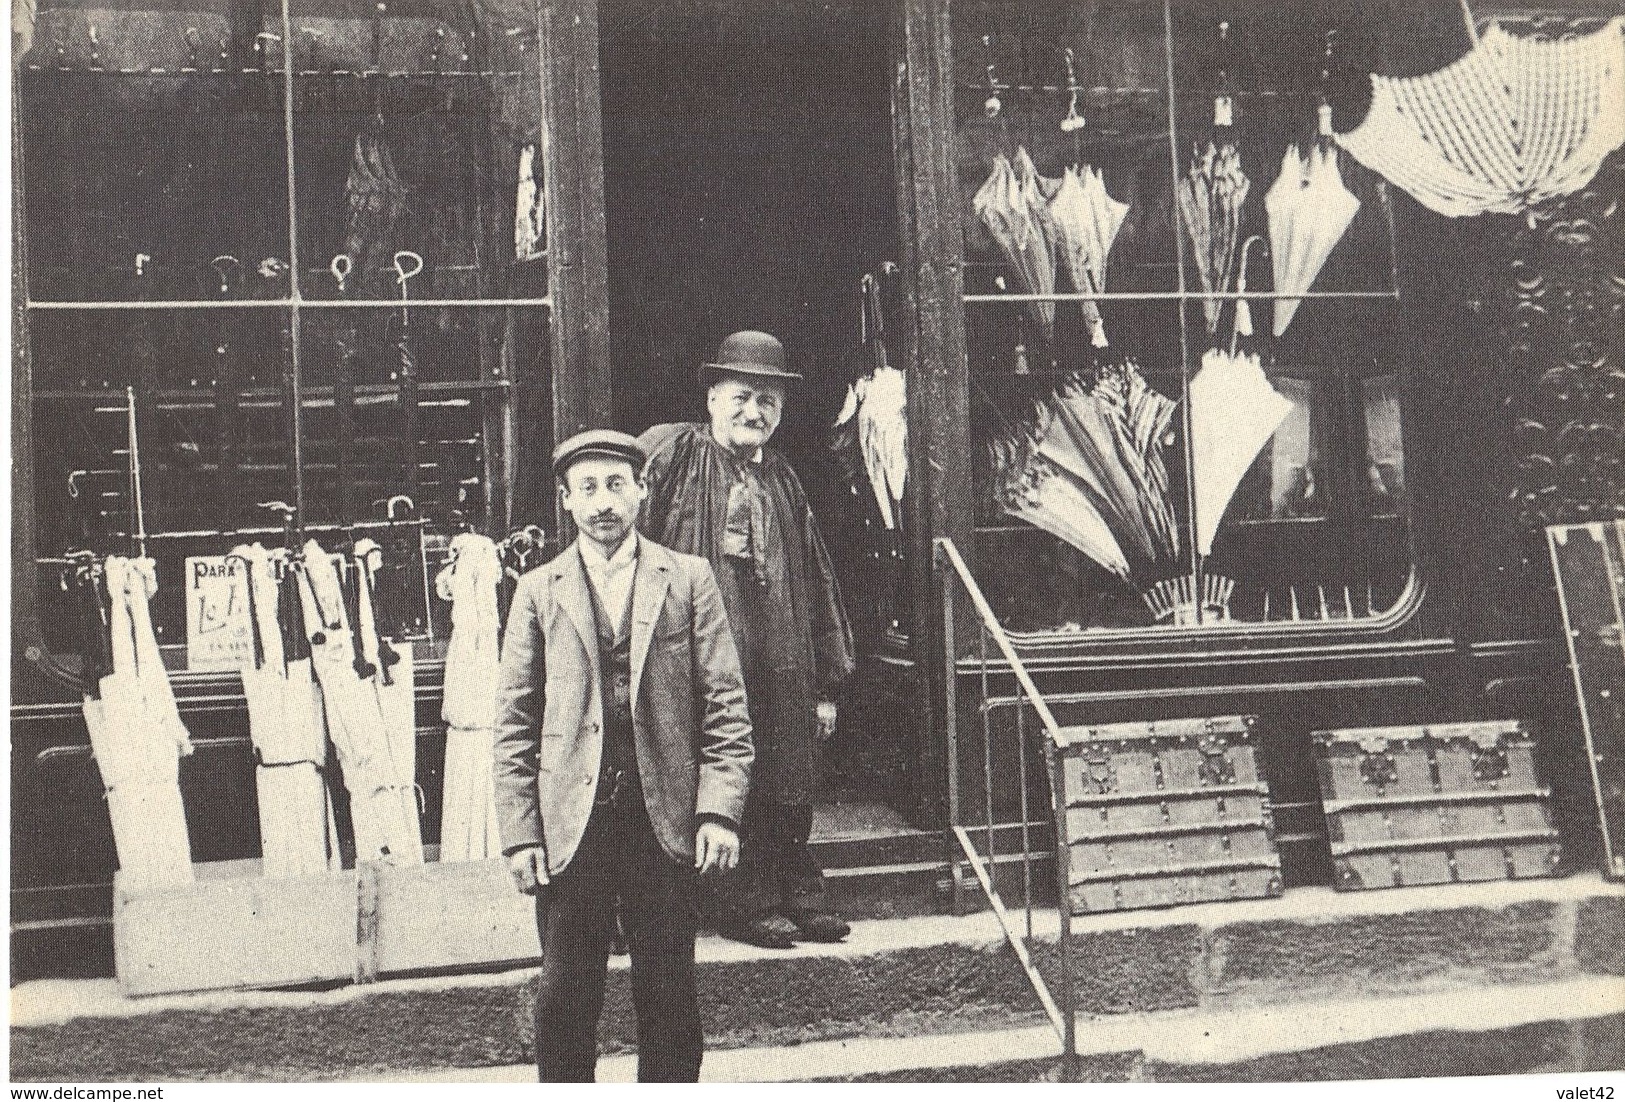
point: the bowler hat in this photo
(599, 442)
(748, 352)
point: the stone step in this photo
(899, 978)
(1568, 1026)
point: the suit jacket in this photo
(690, 727)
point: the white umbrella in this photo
(138, 738)
(289, 735)
(1233, 411)
(880, 403)
(1513, 123)
(1086, 221)
(394, 680)
(468, 830)
(1309, 211)
(354, 719)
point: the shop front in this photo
(1221, 420)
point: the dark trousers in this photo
(776, 869)
(619, 862)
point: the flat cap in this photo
(748, 352)
(599, 442)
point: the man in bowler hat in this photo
(716, 490)
(623, 755)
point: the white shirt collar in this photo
(594, 559)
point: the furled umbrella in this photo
(1233, 413)
(1309, 211)
(1012, 207)
(1086, 221)
(354, 719)
(1211, 197)
(1514, 122)
(138, 739)
(393, 679)
(878, 401)
(468, 830)
(286, 727)
(376, 201)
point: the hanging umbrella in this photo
(1513, 123)
(1233, 412)
(1309, 211)
(354, 719)
(879, 402)
(377, 203)
(1011, 205)
(289, 736)
(468, 830)
(1211, 197)
(530, 223)
(1086, 221)
(1028, 486)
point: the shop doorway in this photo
(750, 184)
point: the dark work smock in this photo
(751, 521)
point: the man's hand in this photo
(528, 867)
(826, 719)
(716, 848)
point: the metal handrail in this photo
(1062, 1013)
(990, 621)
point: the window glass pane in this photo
(417, 136)
(1225, 445)
(154, 135)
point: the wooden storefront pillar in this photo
(939, 504)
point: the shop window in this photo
(221, 222)
(1162, 437)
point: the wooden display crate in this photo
(234, 929)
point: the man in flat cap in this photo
(623, 756)
(716, 491)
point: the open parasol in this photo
(1514, 122)
(468, 830)
(1086, 220)
(1233, 413)
(1012, 206)
(1309, 211)
(289, 735)
(1211, 196)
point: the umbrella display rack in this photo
(232, 929)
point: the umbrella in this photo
(354, 719)
(286, 726)
(1513, 123)
(1233, 412)
(468, 830)
(1309, 211)
(393, 680)
(1011, 205)
(1211, 197)
(879, 402)
(1028, 486)
(138, 738)
(1107, 435)
(1086, 221)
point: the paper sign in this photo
(217, 624)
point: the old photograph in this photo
(896, 541)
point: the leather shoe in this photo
(819, 926)
(767, 932)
